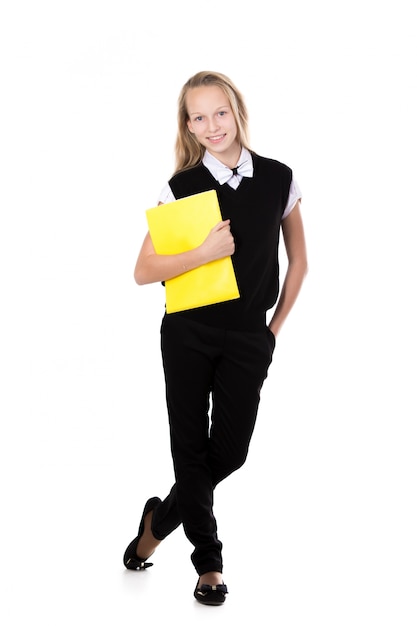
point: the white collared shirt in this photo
(214, 165)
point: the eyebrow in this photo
(224, 106)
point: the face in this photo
(212, 121)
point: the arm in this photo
(293, 233)
(152, 267)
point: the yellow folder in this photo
(182, 225)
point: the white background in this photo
(319, 525)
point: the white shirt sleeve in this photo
(166, 195)
(293, 196)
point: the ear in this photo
(190, 128)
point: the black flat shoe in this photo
(130, 559)
(210, 594)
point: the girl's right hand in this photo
(219, 243)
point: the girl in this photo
(216, 357)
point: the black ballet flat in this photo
(130, 559)
(210, 594)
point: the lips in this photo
(217, 138)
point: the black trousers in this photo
(213, 381)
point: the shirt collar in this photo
(217, 168)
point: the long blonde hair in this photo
(188, 150)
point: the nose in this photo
(213, 124)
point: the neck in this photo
(231, 158)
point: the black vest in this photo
(255, 210)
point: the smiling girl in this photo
(216, 357)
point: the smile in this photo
(217, 138)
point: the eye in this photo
(222, 113)
(198, 118)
